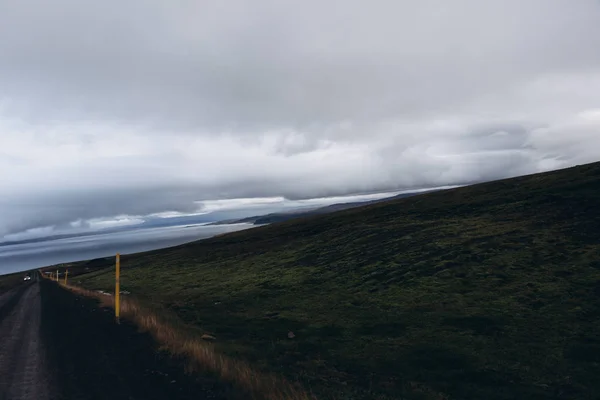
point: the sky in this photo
(118, 109)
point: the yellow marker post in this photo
(66, 276)
(56, 275)
(117, 287)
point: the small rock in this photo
(542, 385)
(208, 338)
(291, 335)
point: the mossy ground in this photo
(484, 292)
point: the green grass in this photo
(484, 292)
(9, 281)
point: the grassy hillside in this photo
(286, 216)
(485, 292)
(9, 281)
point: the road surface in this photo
(24, 373)
(55, 345)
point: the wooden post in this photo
(66, 276)
(56, 275)
(117, 287)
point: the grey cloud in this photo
(282, 65)
(60, 209)
(136, 107)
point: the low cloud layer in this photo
(141, 107)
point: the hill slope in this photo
(490, 291)
(286, 216)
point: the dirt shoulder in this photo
(94, 358)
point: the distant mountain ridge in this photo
(215, 218)
(285, 216)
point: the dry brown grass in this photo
(200, 356)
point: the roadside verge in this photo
(196, 354)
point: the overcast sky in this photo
(134, 107)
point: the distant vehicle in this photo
(27, 278)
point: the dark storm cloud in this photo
(136, 107)
(281, 64)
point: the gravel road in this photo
(55, 345)
(24, 372)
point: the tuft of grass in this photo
(482, 292)
(199, 356)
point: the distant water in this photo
(21, 257)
